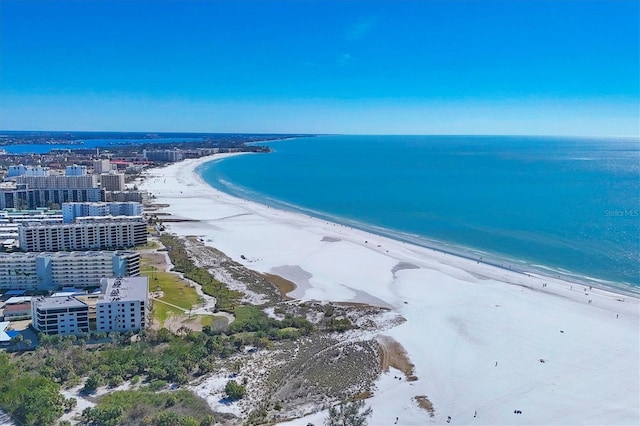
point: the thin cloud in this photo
(361, 28)
(344, 59)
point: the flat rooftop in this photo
(66, 254)
(59, 302)
(126, 289)
(16, 300)
(20, 307)
(88, 220)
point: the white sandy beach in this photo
(476, 333)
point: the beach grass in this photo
(227, 299)
(149, 245)
(248, 315)
(214, 321)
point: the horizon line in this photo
(323, 134)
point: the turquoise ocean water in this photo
(563, 206)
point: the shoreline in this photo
(462, 305)
(499, 261)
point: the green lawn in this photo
(161, 312)
(175, 290)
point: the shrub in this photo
(234, 390)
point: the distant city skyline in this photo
(348, 67)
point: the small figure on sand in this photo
(496, 363)
(475, 414)
(449, 419)
(396, 422)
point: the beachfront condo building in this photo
(122, 196)
(164, 155)
(54, 271)
(58, 182)
(88, 233)
(72, 211)
(112, 181)
(124, 305)
(60, 315)
(14, 196)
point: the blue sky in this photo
(368, 67)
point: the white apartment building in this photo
(101, 166)
(124, 305)
(71, 211)
(88, 233)
(53, 271)
(60, 315)
(21, 197)
(21, 170)
(36, 215)
(58, 182)
(12, 218)
(75, 170)
(112, 181)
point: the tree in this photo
(92, 383)
(348, 414)
(234, 390)
(103, 416)
(30, 400)
(70, 404)
(17, 340)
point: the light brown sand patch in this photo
(363, 395)
(284, 286)
(394, 355)
(425, 404)
(176, 322)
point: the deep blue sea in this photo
(566, 206)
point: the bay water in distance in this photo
(558, 205)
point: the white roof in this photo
(126, 289)
(17, 300)
(4, 337)
(59, 302)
